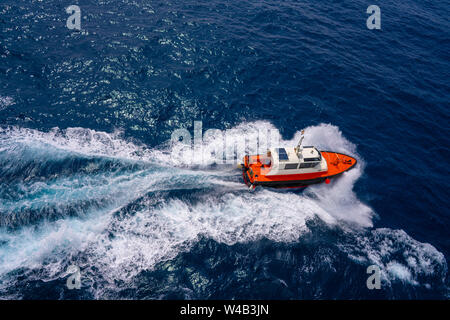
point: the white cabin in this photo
(286, 161)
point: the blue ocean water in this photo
(85, 174)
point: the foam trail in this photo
(160, 233)
(97, 194)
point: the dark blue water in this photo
(85, 170)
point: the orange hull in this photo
(255, 172)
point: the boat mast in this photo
(299, 145)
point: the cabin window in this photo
(308, 165)
(282, 154)
(290, 166)
(311, 159)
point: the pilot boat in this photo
(294, 167)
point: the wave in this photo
(116, 207)
(5, 102)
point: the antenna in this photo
(299, 145)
